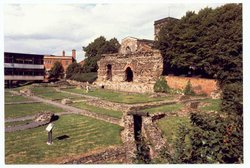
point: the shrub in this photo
(232, 98)
(85, 77)
(72, 69)
(56, 71)
(212, 139)
(188, 89)
(161, 85)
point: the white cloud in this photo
(51, 28)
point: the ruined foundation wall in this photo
(129, 86)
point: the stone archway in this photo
(109, 72)
(129, 75)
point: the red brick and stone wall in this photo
(199, 85)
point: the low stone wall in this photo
(108, 105)
(109, 155)
(200, 85)
(154, 135)
(128, 86)
(127, 136)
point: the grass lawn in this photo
(84, 134)
(16, 123)
(21, 110)
(9, 98)
(112, 113)
(51, 94)
(120, 97)
(169, 126)
(214, 105)
(165, 108)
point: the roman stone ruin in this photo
(135, 68)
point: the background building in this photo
(49, 60)
(23, 67)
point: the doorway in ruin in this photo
(129, 75)
(137, 127)
(142, 148)
(109, 72)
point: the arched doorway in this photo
(109, 72)
(129, 75)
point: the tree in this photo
(95, 49)
(56, 71)
(161, 85)
(73, 69)
(210, 43)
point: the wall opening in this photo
(142, 148)
(109, 72)
(137, 127)
(128, 50)
(129, 75)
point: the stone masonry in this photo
(135, 68)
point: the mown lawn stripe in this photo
(33, 142)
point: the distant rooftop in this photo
(164, 20)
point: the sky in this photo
(52, 28)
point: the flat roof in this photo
(22, 54)
(164, 19)
(57, 57)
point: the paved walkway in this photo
(21, 102)
(33, 124)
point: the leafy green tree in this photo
(56, 71)
(73, 69)
(95, 49)
(209, 44)
(161, 85)
(188, 90)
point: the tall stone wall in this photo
(199, 85)
(146, 66)
(136, 57)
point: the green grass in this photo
(169, 126)
(51, 94)
(21, 110)
(85, 134)
(165, 108)
(213, 105)
(119, 97)
(112, 113)
(16, 123)
(9, 98)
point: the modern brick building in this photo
(49, 60)
(23, 67)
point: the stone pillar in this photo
(128, 138)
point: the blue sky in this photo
(51, 28)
